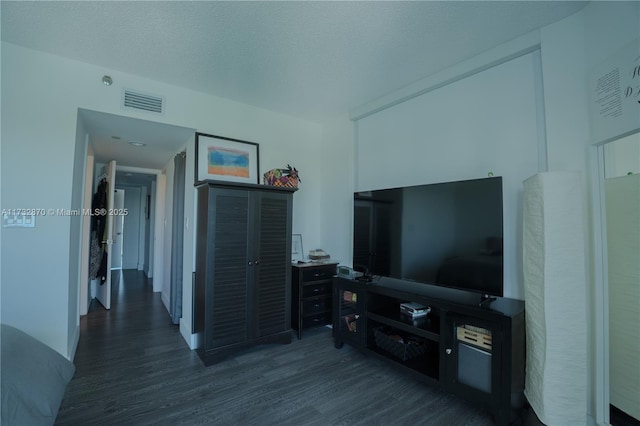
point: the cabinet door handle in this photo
(257, 262)
(448, 351)
(250, 263)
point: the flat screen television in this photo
(449, 234)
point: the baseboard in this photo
(74, 344)
(191, 339)
(166, 302)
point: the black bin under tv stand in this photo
(472, 350)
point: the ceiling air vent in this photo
(141, 101)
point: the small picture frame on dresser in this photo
(297, 253)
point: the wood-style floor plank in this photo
(133, 367)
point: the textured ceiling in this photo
(313, 60)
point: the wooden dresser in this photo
(311, 295)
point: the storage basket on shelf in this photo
(282, 177)
(352, 322)
(404, 347)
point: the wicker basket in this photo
(287, 178)
(410, 347)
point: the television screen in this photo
(449, 234)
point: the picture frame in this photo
(297, 252)
(226, 159)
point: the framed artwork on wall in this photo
(226, 159)
(297, 253)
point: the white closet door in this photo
(623, 248)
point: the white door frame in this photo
(158, 231)
(158, 239)
(86, 234)
(103, 291)
(601, 285)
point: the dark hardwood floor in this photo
(620, 418)
(133, 367)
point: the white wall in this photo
(336, 197)
(131, 228)
(142, 237)
(152, 228)
(38, 160)
(484, 123)
(168, 235)
(76, 237)
(147, 231)
(622, 156)
(570, 48)
(158, 254)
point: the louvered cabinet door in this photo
(273, 274)
(228, 318)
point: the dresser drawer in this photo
(318, 319)
(315, 306)
(318, 273)
(318, 289)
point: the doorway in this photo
(137, 229)
(138, 147)
(622, 207)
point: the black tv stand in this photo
(475, 352)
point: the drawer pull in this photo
(315, 290)
(317, 305)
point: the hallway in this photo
(125, 356)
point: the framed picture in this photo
(226, 159)
(297, 253)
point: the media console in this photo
(471, 349)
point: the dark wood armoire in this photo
(243, 267)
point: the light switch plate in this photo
(18, 221)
